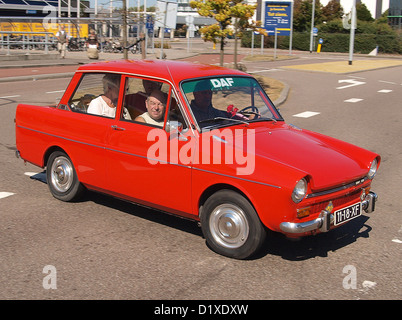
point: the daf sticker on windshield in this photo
(223, 82)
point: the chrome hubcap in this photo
(61, 174)
(229, 226)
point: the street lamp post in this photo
(352, 32)
(312, 27)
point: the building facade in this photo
(395, 14)
(40, 8)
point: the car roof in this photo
(165, 69)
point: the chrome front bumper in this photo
(325, 219)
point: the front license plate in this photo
(347, 213)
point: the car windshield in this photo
(228, 100)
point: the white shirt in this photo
(149, 120)
(100, 107)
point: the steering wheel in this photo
(253, 110)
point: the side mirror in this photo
(63, 107)
(175, 128)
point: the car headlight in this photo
(300, 190)
(373, 169)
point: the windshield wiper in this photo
(264, 119)
(222, 118)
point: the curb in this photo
(39, 65)
(37, 77)
(283, 96)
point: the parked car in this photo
(217, 151)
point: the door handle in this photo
(114, 127)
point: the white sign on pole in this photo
(166, 14)
(191, 26)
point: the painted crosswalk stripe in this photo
(5, 194)
(306, 114)
(384, 91)
(353, 100)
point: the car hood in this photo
(329, 162)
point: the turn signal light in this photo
(304, 212)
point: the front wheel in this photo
(231, 225)
(62, 178)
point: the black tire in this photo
(61, 177)
(231, 225)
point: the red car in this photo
(198, 141)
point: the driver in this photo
(202, 104)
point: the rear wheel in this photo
(231, 225)
(62, 178)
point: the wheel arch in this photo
(49, 151)
(215, 188)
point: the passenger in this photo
(155, 104)
(136, 102)
(105, 105)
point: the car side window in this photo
(97, 94)
(146, 100)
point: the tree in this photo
(302, 14)
(333, 10)
(223, 11)
(363, 13)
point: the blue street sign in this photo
(278, 15)
(149, 23)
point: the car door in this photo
(143, 162)
(86, 132)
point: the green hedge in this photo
(333, 42)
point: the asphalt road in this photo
(104, 248)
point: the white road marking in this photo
(396, 240)
(306, 114)
(351, 82)
(389, 82)
(265, 70)
(57, 91)
(5, 97)
(384, 91)
(353, 100)
(30, 174)
(5, 194)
